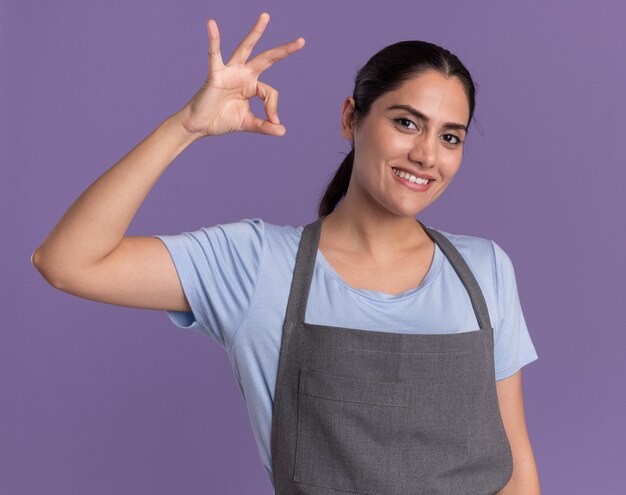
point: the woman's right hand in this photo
(221, 105)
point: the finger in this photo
(260, 126)
(265, 59)
(215, 56)
(244, 49)
(270, 97)
(254, 124)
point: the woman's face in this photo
(392, 136)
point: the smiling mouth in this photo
(411, 177)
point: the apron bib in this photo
(383, 413)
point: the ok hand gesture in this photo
(221, 105)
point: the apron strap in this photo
(465, 274)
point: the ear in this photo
(347, 118)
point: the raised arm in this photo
(87, 253)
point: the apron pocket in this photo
(350, 433)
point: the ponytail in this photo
(338, 186)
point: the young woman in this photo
(376, 355)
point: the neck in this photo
(364, 228)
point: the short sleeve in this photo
(218, 267)
(513, 347)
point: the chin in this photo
(407, 212)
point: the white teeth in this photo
(409, 177)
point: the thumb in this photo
(270, 99)
(255, 124)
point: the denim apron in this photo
(383, 413)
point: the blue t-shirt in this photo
(237, 278)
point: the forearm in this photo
(96, 222)
(525, 479)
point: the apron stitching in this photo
(415, 353)
(349, 377)
(355, 401)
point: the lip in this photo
(416, 174)
(413, 185)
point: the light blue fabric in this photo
(237, 277)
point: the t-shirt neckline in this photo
(433, 271)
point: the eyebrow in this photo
(421, 116)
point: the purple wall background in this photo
(103, 399)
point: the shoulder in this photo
(250, 238)
(253, 228)
(241, 241)
(480, 253)
(217, 235)
(489, 263)
(282, 238)
(477, 247)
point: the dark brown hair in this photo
(384, 72)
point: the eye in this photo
(458, 140)
(402, 119)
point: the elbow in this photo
(35, 258)
(45, 269)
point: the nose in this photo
(424, 150)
